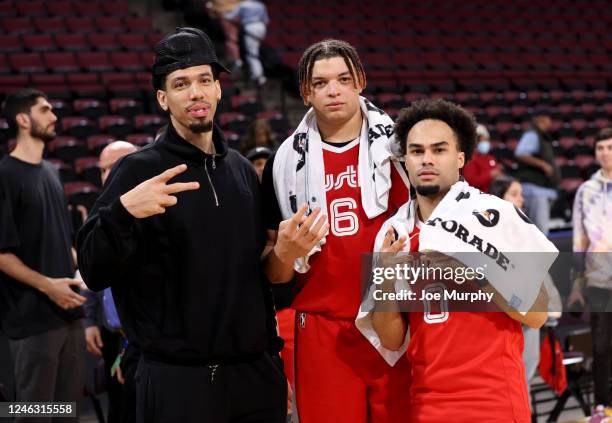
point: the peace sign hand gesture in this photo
(154, 195)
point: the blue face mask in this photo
(483, 147)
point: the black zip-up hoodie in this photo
(187, 282)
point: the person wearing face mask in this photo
(483, 168)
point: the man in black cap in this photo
(258, 156)
(177, 234)
(537, 170)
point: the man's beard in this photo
(428, 190)
(199, 128)
(37, 131)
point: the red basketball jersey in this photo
(333, 284)
(466, 366)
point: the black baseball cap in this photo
(184, 48)
(258, 153)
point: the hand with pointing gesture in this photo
(152, 196)
(297, 235)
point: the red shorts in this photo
(341, 378)
(286, 327)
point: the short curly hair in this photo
(460, 120)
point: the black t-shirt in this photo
(35, 226)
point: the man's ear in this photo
(218, 87)
(461, 159)
(161, 100)
(23, 120)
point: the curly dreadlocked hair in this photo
(327, 49)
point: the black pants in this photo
(49, 366)
(121, 398)
(601, 331)
(251, 392)
(129, 365)
(112, 346)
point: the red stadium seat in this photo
(103, 41)
(81, 193)
(30, 8)
(134, 42)
(154, 37)
(116, 8)
(127, 107)
(11, 83)
(94, 62)
(49, 25)
(90, 107)
(67, 148)
(66, 171)
(140, 139)
(82, 79)
(60, 107)
(561, 161)
(72, 41)
(114, 78)
(10, 43)
(149, 123)
(88, 170)
(27, 62)
(77, 126)
(97, 142)
(570, 185)
(583, 161)
(60, 8)
(17, 25)
(137, 24)
(7, 9)
(143, 80)
(79, 24)
(44, 79)
(109, 24)
(126, 61)
(246, 104)
(88, 8)
(118, 126)
(61, 62)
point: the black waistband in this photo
(155, 358)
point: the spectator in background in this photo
(253, 17)
(510, 190)
(218, 8)
(101, 334)
(483, 168)
(593, 235)
(259, 134)
(258, 156)
(537, 170)
(39, 311)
